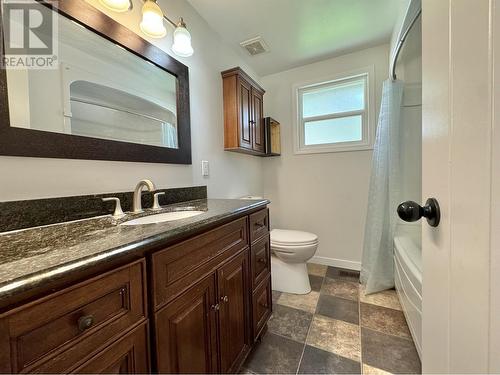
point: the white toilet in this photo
(291, 250)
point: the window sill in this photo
(331, 149)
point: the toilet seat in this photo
(293, 249)
(292, 238)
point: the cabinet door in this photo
(234, 295)
(245, 120)
(258, 143)
(186, 340)
(129, 355)
(262, 306)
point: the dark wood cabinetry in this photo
(186, 331)
(243, 113)
(234, 305)
(260, 266)
(59, 332)
(210, 300)
(129, 355)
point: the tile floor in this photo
(335, 329)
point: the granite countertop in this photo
(31, 257)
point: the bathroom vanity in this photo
(188, 296)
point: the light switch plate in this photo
(204, 168)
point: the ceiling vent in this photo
(255, 46)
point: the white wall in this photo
(231, 175)
(323, 193)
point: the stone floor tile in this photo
(389, 353)
(275, 355)
(335, 336)
(289, 322)
(317, 361)
(384, 320)
(276, 296)
(340, 288)
(369, 370)
(387, 298)
(316, 282)
(306, 302)
(316, 269)
(338, 308)
(342, 274)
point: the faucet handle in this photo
(118, 207)
(156, 202)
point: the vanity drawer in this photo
(261, 260)
(261, 306)
(177, 268)
(259, 225)
(129, 355)
(61, 330)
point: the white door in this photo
(461, 168)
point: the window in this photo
(334, 116)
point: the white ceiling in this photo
(299, 32)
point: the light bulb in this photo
(182, 41)
(152, 20)
(117, 5)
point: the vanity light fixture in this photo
(152, 26)
(117, 5)
(152, 20)
(182, 40)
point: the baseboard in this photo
(347, 264)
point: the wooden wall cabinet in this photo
(243, 113)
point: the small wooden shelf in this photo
(272, 130)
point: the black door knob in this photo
(411, 211)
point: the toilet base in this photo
(289, 277)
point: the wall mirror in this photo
(111, 96)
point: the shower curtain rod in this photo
(400, 43)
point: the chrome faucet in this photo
(137, 205)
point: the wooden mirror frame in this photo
(36, 143)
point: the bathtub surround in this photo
(326, 194)
(336, 330)
(32, 213)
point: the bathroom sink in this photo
(164, 217)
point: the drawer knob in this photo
(264, 305)
(262, 260)
(225, 299)
(215, 307)
(85, 322)
(260, 225)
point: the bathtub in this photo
(408, 278)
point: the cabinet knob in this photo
(215, 307)
(225, 299)
(85, 322)
(262, 260)
(260, 225)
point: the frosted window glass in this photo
(334, 99)
(346, 129)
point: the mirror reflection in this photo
(99, 90)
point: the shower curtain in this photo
(377, 267)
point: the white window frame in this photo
(368, 116)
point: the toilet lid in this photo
(292, 237)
